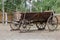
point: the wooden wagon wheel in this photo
(14, 25)
(52, 23)
(24, 26)
(41, 26)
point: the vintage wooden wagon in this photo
(40, 19)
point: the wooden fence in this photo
(10, 16)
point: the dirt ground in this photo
(6, 34)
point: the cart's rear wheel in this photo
(24, 26)
(41, 26)
(52, 23)
(14, 25)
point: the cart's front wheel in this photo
(14, 25)
(52, 23)
(24, 26)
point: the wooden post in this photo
(3, 11)
(6, 19)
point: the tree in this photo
(11, 5)
(0, 5)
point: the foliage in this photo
(13, 5)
